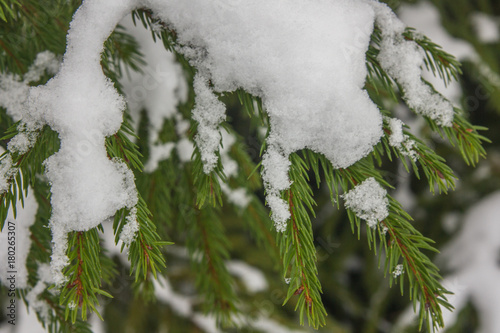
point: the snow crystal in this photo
(58, 259)
(22, 142)
(6, 172)
(368, 201)
(130, 229)
(398, 270)
(396, 127)
(280, 213)
(209, 112)
(403, 60)
(275, 173)
(401, 141)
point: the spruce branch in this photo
(436, 171)
(145, 251)
(405, 243)
(7, 9)
(208, 249)
(377, 80)
(207, 185)
(436, 59)
(84, 276)
(465, 137)
(25, 167)
(297, 248)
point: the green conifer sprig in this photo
(200, 223)
(79, 294)
(121, 51)
(297, 248)
(26, 167)
(437, 60)
(396, 236)
(145, 251)
(207, 185)
(7, 9)
(438, 174)
(465, 137)
(208, 248)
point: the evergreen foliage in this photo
(178, 202)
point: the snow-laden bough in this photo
(305, 60)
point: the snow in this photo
(294, 81)
(158, 153)
(45, 279)
(185, 306)
(253, 279)
(229, 165)
(368, 201)
(82, 105)
(185, 149)
(130, 228)
(266, 325)
(239, 196)
(14, 89)
(398, 270)
(426, 18)
(486, 27)
(401, 141)
(6, 172)
(403, 60)
(303, 47)
(209, 112)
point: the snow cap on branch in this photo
(368, 201)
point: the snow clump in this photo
(368, 201)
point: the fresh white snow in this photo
(486, 26)
(404, 61)
(368, 201)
